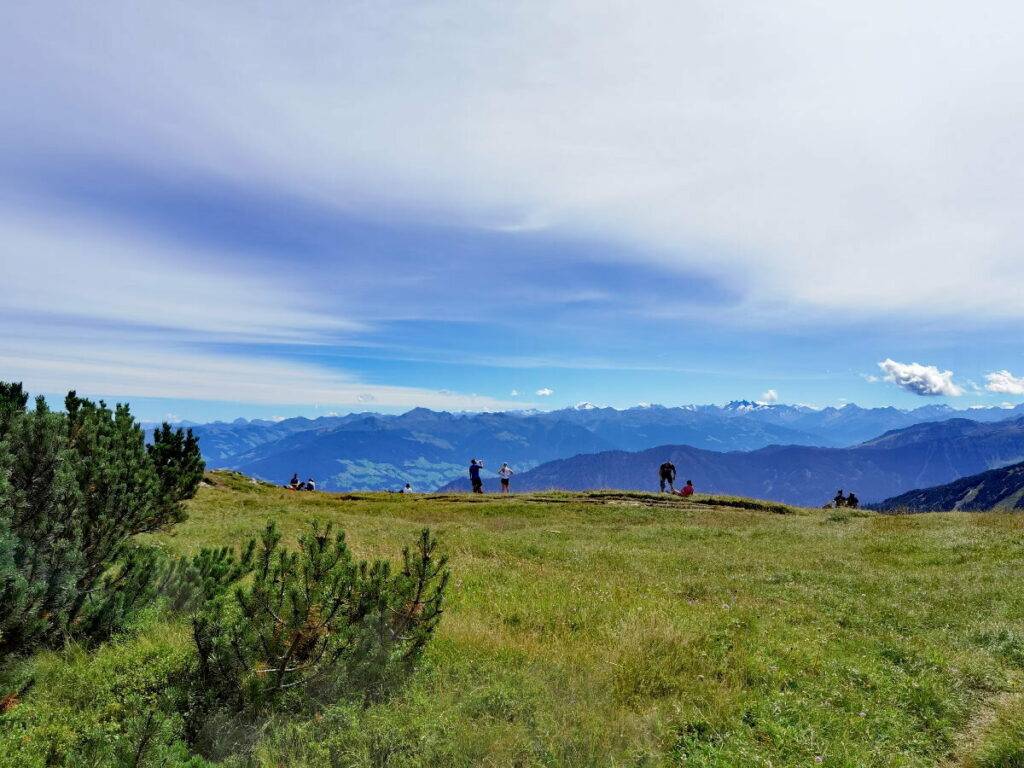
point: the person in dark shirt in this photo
(839, 500)
(295, 481)
(852, 501)
(474, 476)
(667, 474)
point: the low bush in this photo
(117, 707)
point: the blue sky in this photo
(214, 211)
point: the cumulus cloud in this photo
(1004, 382)
(926, 380)
(545, 392)
(770, 397)
(514, 393)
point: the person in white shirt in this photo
(506, 475)
(407, 489)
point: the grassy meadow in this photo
(612, 629)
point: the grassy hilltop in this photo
(623, 629)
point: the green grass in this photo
(627, 629)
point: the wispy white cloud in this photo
(514, 393)
(1004, 382)
(919, 379)
(744, 145)
(80, 271)
(545, 392)
(750, 135)
(131, 367)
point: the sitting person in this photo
(839, 500)
(294, 484)
(687, 490)
(407, 489)
(852, 501)
(311, 484)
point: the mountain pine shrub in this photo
(315, 619)
(145, 576)
(75, 487)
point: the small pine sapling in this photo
(316, 617)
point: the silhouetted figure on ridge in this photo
(474, 476)
(667, 474)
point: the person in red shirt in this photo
(687, 490)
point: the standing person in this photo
(687, 489)
(667, 474)
(474, 476)
(506, 475)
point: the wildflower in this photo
(863, 714)
(819, 759)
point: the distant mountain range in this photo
(914, 457)
(421, 447)
(369, 451)
(999, 489)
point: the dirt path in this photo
(971, 736)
